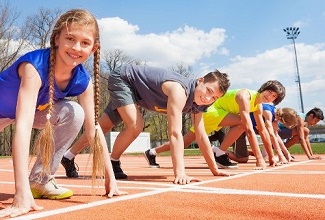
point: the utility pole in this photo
(292, 34)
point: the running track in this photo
(293, 191)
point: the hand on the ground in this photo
(316, 158)
(21, 204)
(288, 157)
(223, 173)
(260, 164)
(282, 163)
(272, 162)
(283, 160)
(112, 190)
(184, 179)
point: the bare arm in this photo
(283, 148)
(204, 145)
(25, 112)
(175, 104)
(243, 99)
(86, 100)
(267, 115)
(301, 135)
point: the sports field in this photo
(293, 191)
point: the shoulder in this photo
(268, 107)
(172, 87)
(244, 94)
(38, 58)
(37, 54)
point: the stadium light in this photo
(292, 34)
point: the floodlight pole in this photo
(292, 34)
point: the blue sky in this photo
(244, 38)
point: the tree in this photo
(116, 58)
(41, 26)
(181, 68)
(12, 38)
(13, 41)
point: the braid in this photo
(45, 141)
(98, 160)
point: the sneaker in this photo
(50, 191)
(151, 159)
(118, 172)
(223, 161)
(70, 167)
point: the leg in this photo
(67, 122)
(68, 158)
(189, 137)
(106, 125)
(236, 129)
(150, 154)
(240, 153)
(134, 124)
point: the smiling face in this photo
(268, 96)
(75, 44)
(206, 93)
(311, 120)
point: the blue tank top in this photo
(10, 82)
(266, 107)
(146, 84)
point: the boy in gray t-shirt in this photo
(162, 91)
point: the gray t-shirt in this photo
(146, 84)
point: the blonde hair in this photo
(45, 142)
(287, 116)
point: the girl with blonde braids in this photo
(32, 94)
(288, 117)
(300, 132)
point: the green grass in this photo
(318, 148)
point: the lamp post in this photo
(292, 34)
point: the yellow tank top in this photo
(229, 104)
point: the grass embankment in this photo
(318, 148)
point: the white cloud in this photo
(251, 72)
(302, 23)
(190, 45)
(186, 44)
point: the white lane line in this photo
(298, 172)
(97, 203)
(144, 194)
(211, 190)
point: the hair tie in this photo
(48, 116)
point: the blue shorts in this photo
(285, 133)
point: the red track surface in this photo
(293, 191)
